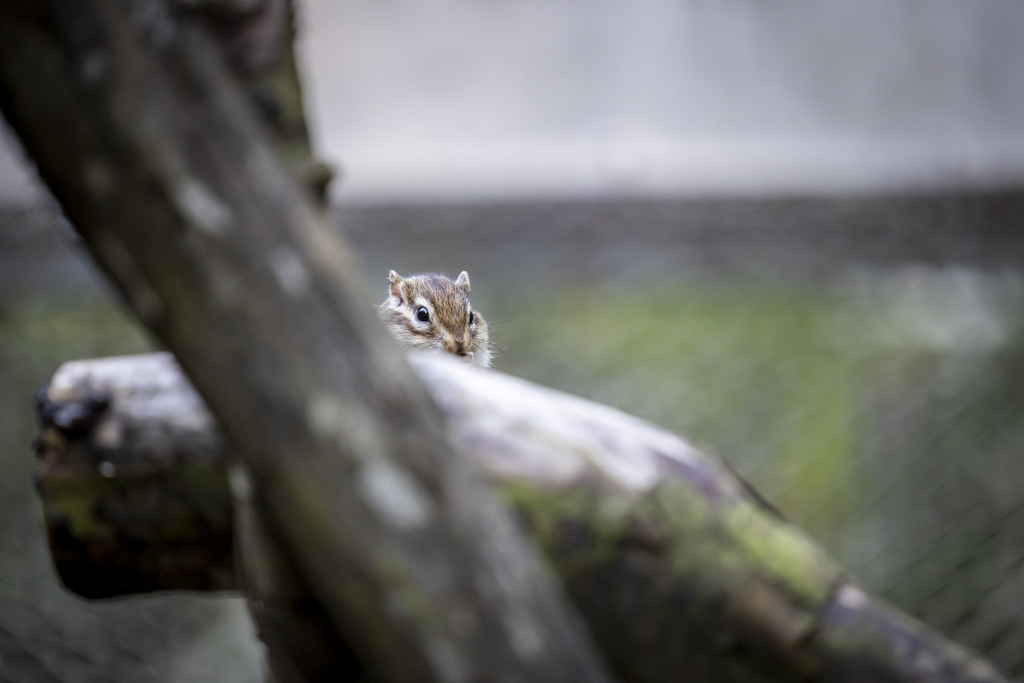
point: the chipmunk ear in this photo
(462, 282)
(396, 281)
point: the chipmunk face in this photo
(430, 311)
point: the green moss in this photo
(194, 501)
(545, 511)
(783, 554)
(703, 573)
(724, 545)
(74, 501)
(710, 544)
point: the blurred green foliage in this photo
(755, 372)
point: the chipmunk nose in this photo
(454, 346)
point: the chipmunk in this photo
(429, 311)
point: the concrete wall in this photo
(491, 99)
(532, 98)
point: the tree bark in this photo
(143, 135)
(680, 570)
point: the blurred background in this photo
(793, 232)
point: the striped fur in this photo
(448, 327)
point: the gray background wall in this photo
(524, 98)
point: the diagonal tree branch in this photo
(143, 136)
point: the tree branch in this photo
(141, 133)
(681, 573)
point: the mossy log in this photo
(680, 570)
(145, 135)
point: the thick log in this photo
(680, 570)
(131, 471)
(143, 135)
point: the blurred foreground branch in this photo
(158, 157)
(680, 572)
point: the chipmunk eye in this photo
(422, 315)
(472, 317)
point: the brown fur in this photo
(448, 307)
